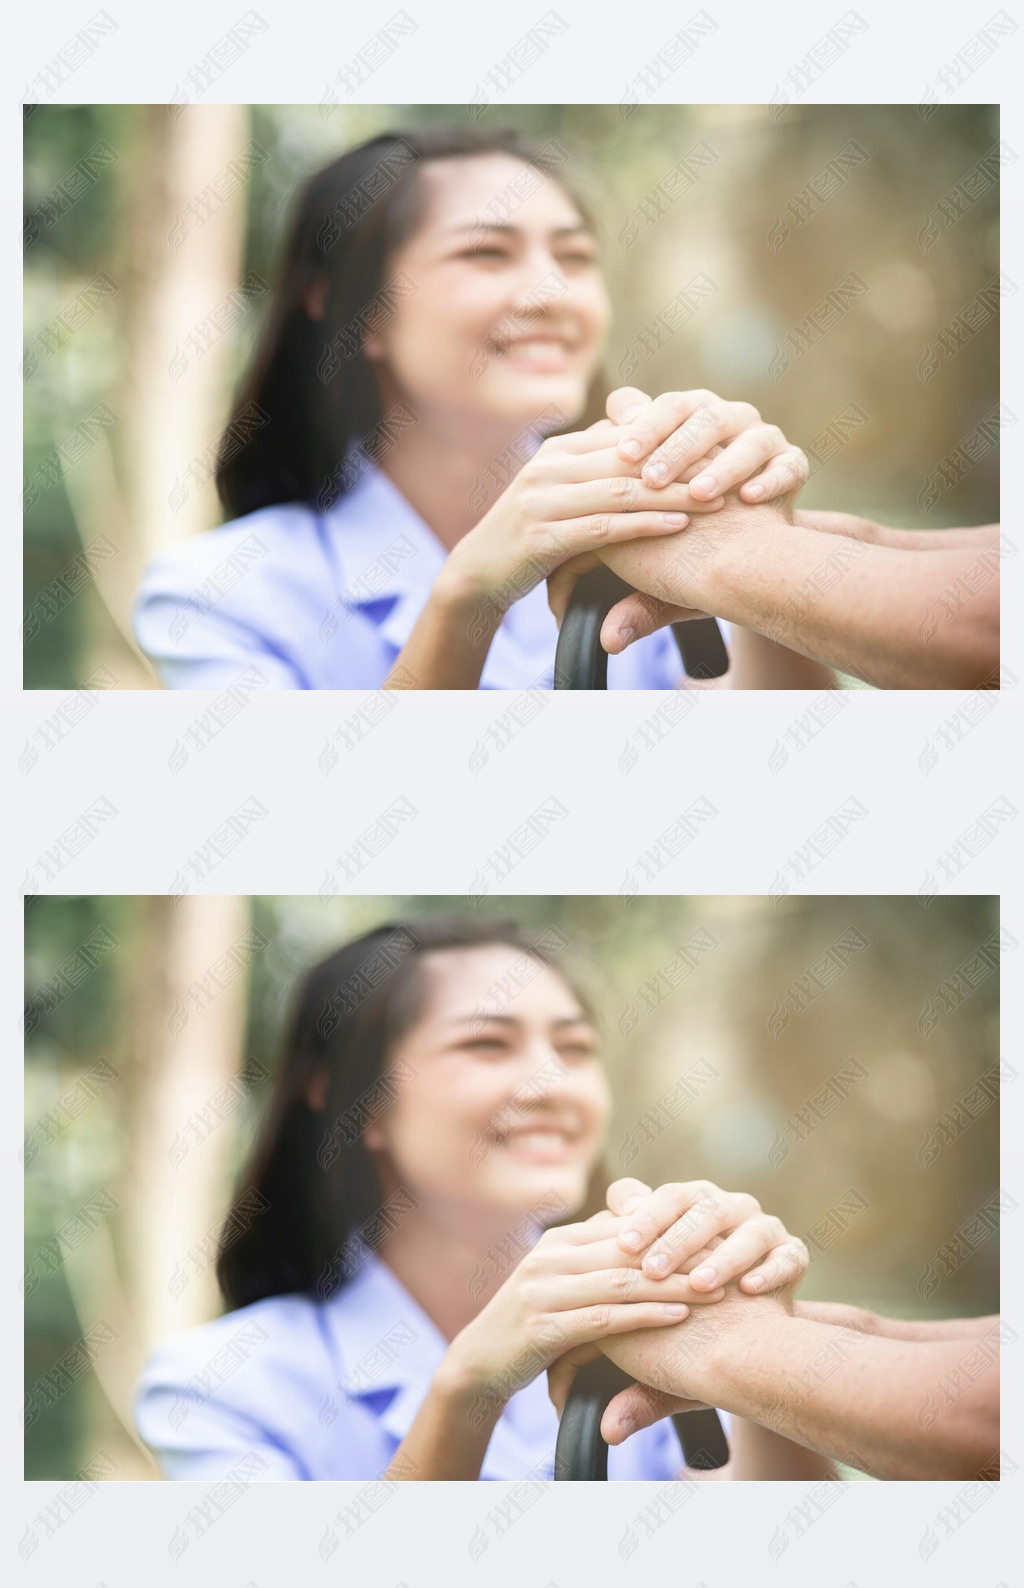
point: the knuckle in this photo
(748, 413)
(599, 529)
(601, 1318)
(624, 1281)
(623, 490)
(534, 503)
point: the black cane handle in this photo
(582, 663)
(581, 1455)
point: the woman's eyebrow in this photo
(514, 231)
(479, 1017)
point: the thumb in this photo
(623, 404)
(634, 617)
(562, 1372)
(638, 1407)
(562, 582)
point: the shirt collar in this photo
(388, 558)
(387, 1342)
(384, 550)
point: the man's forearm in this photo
(893, 618)
(896, 1409)
(974, 537)
(845, 1316)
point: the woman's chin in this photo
(525, 1185)
(556, 398)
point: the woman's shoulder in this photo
(218, 558)
(262, 1333)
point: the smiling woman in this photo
(402, 469)
(400, 1262)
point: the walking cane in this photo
(582, 663)
(581, 1455)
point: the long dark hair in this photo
(310, 1200)
(309, 390)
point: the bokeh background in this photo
(152, 236)
(837, 1057)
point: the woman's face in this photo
(508, 1100)
(493, 323)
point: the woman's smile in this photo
(537, 351)
(539, 1143)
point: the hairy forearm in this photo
(845, 1316)
(449, 1435)
(971, 538)
(894, 1408)
(892, 618)
(448, 647)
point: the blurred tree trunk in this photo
(185, 1030)
(179, 254)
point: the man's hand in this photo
(676, 1367)
(672, 574)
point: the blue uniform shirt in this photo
(294, 1388)
(327, 600)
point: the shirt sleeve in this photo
(207, 650)
(198, 1437)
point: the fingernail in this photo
(676, 1310)
(626, 1427)
(632, 1204)
(632, 1239)
(630, 449)
(705, 1275)
(674, 520)
(705, 482)
(656, 1263)
(754, 492)
(757, 1283)
(627, 636)
(656, 473)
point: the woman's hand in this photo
(575, 495)
(711, 1235)
(711, 444)
(576, 1286)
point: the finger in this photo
(568, 1291)
(562, 1373)
(603, 1224)
(787, 473)
(713, 421)
(625, 403)
(679, 1218)
(710, 1216)
(596, 437)
(784, 1265)
(638, 1407)
(740, 460)
(626, 1194)
(740, 1251)
(562, 582)
(591, 1251)
(636, 616)
(559, 498)
(565, 538)
(659, 420)
(595, 1323)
